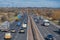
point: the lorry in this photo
(5, 26)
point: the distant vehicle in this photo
(59, 30)
(25, 21)
(50, 37)
(40, 17)
(46, 22)
(24, 25)
(21, 30)
(13, 31)
(18, 23)
(19, 16)
(5, 26)
(7, 36)
(36, 20)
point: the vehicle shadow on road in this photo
(45, 38)
(57, 32)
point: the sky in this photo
(30, 3)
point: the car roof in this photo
(50, 36)
(21, 28)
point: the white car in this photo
(24, 25)
(46, 22)
(21, 30)
(13, 30)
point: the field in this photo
(8, 13)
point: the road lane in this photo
(20, 36)
(48, 30)
(16, 36)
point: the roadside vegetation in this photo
(11, 13)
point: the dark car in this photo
(13, 30)
(59, 30)
(36, 20)
(18, 23)
(25, 21)
(21, 30)
(49, 37)
(4, 30)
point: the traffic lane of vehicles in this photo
(43, 31)
(13, 26)
(13, 34)
(21, 36)
(16, 35)
(51, 29)
(3, 33)
(51, 26)
(54, 32)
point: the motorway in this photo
(17, 35)
(52, 29)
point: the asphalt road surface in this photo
(15, 36)
(48, 30)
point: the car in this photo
(24, 25)
(36, 20)
(13, 31)
(46, 23)
(21, 30)
(7, 36)
(4, 30)
(50, 37)
(25, 21)
(40, 18)
(59, 31)
(18, 24)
